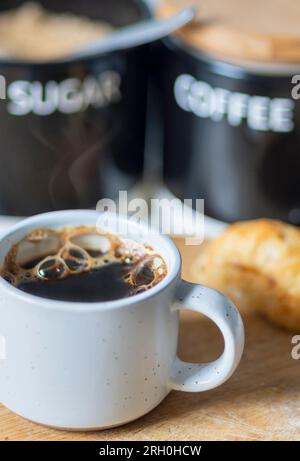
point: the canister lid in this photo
(257, 30)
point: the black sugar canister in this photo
(73, 132)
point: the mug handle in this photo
(192, 377)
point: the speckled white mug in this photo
(98, 365)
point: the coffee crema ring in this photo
(53, 254)
(147, 273)
(51, 268)
(75, 258)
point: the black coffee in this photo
(81, 264)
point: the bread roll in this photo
(257, 264)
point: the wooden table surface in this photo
(260, 402)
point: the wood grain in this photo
(260, 402)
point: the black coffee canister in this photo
(73, 133)
(231, 133)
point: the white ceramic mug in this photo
(97, 365)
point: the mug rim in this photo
(53, 304)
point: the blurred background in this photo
(207, 112)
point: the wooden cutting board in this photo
(260, 402)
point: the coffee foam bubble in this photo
(48, 254)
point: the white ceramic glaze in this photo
(95, 365)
